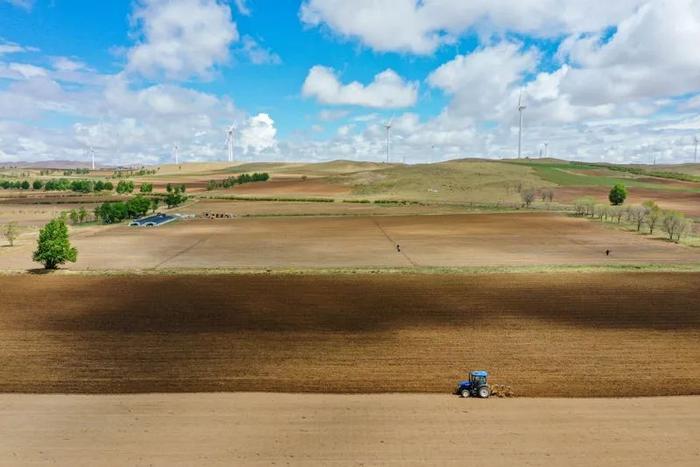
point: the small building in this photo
(155, 220)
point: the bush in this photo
(176, 196)
(38, 184)
(146, 188)
(54, 248)
(112, 213)
(25, 185)
(125, 187)
(618, 194)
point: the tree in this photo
(82, 215)
(675, 225)
(175, 196)
(654, 214)
(618, 194)
(146, 188)
(528, 196)
(124, 187)
(155, 202)
(38, 184)
(637, 215)
(138, 206)
(74, 216)
(11, 232)
(53, 247)
(25, 185)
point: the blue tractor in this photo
(476, 386)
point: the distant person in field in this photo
(607, 252)
(398, 248)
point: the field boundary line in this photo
(181, 252)
(411, 262)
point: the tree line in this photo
(648, 216)
(238, 180)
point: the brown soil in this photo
(563, 334)
(390, 429)
(529, 239)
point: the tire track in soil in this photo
(393, 242)
(181, 252)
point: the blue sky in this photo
(316, 79)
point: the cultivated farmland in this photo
(561, 334)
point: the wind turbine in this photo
(230, 140)
(388, 125)
(521, 107)
(546, 150)
(176, 150)
(91, 150)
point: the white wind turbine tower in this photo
(91, 150)
(230, 141)
(176, 151)
(388, 125)
(521, 107)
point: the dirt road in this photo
(291, 429)
(558, 334)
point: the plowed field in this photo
(564, 334)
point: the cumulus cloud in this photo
(258, 134)
(181, 38)
(482, 81)
(388, 90)
(420, 26)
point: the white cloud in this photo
(24, 4)
(258, 134)
(242, 7)
(181, 38)
(67, 64)
(257, 54)
(482, 81)
(388, 90)
(420, 26)
(329, 115)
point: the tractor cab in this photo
(477, 385)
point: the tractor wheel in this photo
(484, 392)
(465, 393)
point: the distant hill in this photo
(55, 164)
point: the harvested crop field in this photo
(323, 429)
(469, 240)
(563, 334)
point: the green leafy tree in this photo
(176, 196)
(25, 185)
(11, 232)
(155, 202)
(74, 216)
(125, 187)
(618, 195)
(82, 215)
(109, 186)
(38, 184)
(138, 206)
(53, 247)
(146, 188)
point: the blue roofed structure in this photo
(155, 220)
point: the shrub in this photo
(11, 232)
(146, 188)
(125, 187)
(54, 248)
(618, 194)
(38, 184)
